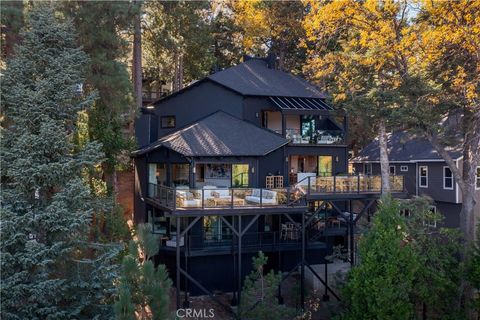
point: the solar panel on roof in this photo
(294, 103)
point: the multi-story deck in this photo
(247, 159)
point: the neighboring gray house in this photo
(424, 170)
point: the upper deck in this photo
(210, 200)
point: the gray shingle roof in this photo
(219, 134)
(404, 147)
(253, 77)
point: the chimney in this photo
(271, 60)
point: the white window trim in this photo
(477, 178)
(444, 179)
(434, 225)
(404, 168)
(420, 176)
(394, 170)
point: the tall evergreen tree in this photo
(178, 42)
(100, 26)
(48, 269)
(11, 23)
(380, 287)
(143, 287)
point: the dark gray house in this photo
(424, 171)
(246, 159)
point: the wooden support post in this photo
(239, 258)
(302, 281)
(178, 261)
(326, 297)
(186, 303)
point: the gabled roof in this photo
(404, 148)
(254, 77)
(219, 134)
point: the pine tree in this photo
(381, 286)
(143, 287)
(178, 38)
(48, 268)
(473, 272)
(259, 294)
(100, 25)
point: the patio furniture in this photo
(221, 202)
(334, 222)
(186, 198)
(210, 192)
(283, 232)
(173, 242)
(292, 231)
(303, 180)
(268, 197)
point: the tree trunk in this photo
(137, 69)
(384, 163)
(471, 160)
(178, 76)
(466, 179)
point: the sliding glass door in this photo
(325, 166)
(240, 175)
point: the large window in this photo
(325, 166)
(308, 126)
(423, 176)
(447, 178)
(215, 229)
(240, 175)
(180, 174)
(477, 184)
(167, 122)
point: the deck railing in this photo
(315, 136)
(352, 184)
(207, 198)
(233, 198)
(264, 240)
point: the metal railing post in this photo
(358, 183)
(309, 185)
(231, 204)
(261, 197)
(166, 200)
(334, 184)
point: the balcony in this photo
(313, 188)
(319, 137)
(214, 198)
(351, 184)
